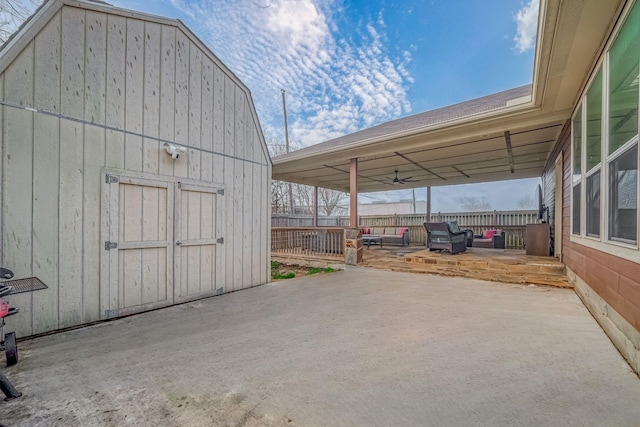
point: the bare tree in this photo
(279, 189)
(471, 204)
(13, 13)
(279, 199)
(302, 199)
(330, 201)
(527, 202)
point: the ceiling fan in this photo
(397, 180)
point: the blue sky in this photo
(347, 65)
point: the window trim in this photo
(574, 181)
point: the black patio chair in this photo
(440, 237)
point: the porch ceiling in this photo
(503, 136)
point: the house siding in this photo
(614, 279)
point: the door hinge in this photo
(110, 245)
(221, 191)
(179, 185)
(220, 240)
(110, 179)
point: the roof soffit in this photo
(572, 36)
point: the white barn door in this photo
(196, 257)
(137, 265)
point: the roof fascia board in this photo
(256, 121)
(539, 78)
(27, 33)
(114, 10)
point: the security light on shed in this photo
(174, 150)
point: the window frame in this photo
(577, 181)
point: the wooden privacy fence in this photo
(319, 242)
(513, 222)
(283, 220)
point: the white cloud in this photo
(335, 84)
(527, 25)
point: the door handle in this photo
(178, 242)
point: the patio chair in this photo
(440, 237)
(453, 225)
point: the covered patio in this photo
(503, 136)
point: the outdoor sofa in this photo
(389, 235)
(493, 239)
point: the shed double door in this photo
(159, 244)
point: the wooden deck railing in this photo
(513, 222)
(317, 242)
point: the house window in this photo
(593, 204)
(623, 197)
(624, 58)
(577, 169)
(593, 154)
(594, 122)
(576, 209)
(605, 144)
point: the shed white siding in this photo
(88, 90)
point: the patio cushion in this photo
(488, 234)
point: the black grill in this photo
(19, 286)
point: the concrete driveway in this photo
(354, 348)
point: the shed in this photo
(93, 99)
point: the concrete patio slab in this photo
(360, 347)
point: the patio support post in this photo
(352, 236)
(315, 206)
(353, 193)
(428, 204)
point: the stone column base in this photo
(352, 246)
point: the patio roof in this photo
(502, 136)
